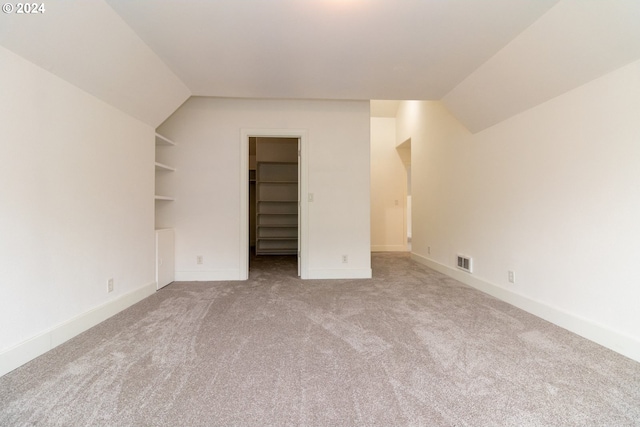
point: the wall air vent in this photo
(464, 263)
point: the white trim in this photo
(243, 255)
(24, 352)
(614, 340)
(340, 274)
(208, 275)
(28, 350)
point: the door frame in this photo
(303, 216)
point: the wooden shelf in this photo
(263, 251)
(163, 167)
(165, 198)
(277, 163)
(279, 238)
(162, 140)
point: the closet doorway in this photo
(404, 151)
(274, 182)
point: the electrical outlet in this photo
(345, 259)
(428, 250)
(199, 259)
(512, 277)
(110, 285)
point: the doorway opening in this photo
(273, 226)
(273, 197)
(404, 150)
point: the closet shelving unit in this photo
(165, 237)
(162, 141)
(277, 208)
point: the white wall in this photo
(76, 208)
(207, 182)
(388, 188)
(551, 194)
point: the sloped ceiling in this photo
(486, 59)
(572, 44)
(86, 43)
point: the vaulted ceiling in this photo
(331, 49)
(486, 59)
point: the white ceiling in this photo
(486, 59)
(327, 49)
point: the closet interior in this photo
(273, 196)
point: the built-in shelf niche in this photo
(162, 142)
(165, 235)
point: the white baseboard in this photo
(207, 275)
(388, 248)
(340, 274)
(22, 353)
(621, 343)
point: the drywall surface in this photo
(206, 183)
(89, 45)
(550, 194)
(573, 43)
(388, 188)
(76, 192)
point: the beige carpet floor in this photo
(408, 347)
